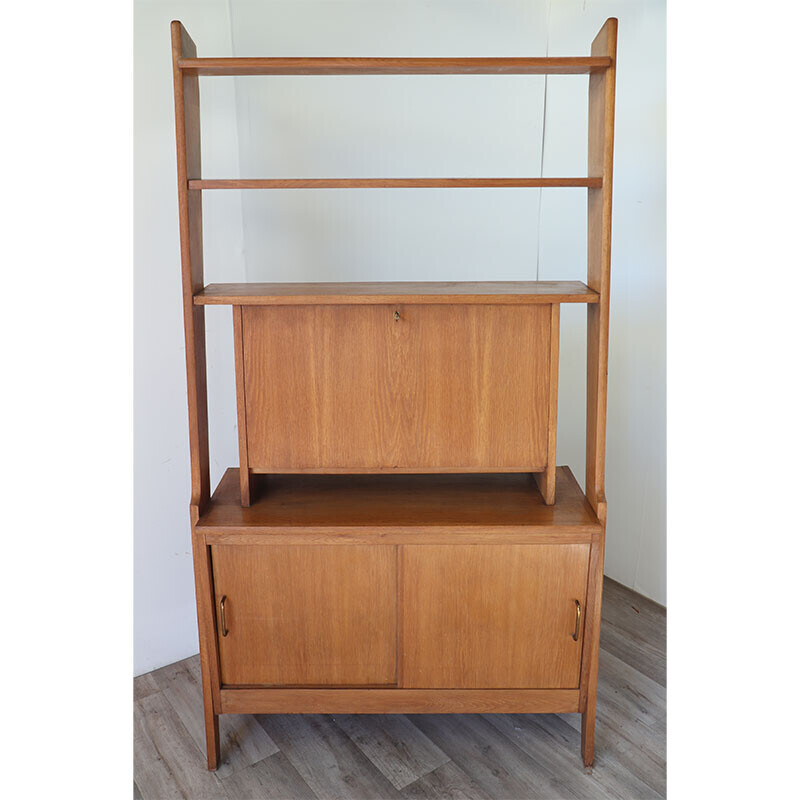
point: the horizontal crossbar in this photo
(393, 183)
(578, 65)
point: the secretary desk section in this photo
(397, 378)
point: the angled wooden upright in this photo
(601, 165)
(397, 477)
(190, 206)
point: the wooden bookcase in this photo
(397, 536)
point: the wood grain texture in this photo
(601, 164)
(546, 481)
(383, 388)
(544, 738)
(492, 616)
(307, 615)
(589, 668)
(569, 65)
(328, 761)
(631, 630)
(272, 778)
(630, 725)
(394, 745)
(384, 292)
(190, 213)
(167, 762)
(392, 183)
(144, 686)
(245, 477)
(484, 754)
(242, 740)
(204, 598)
(380, 506)
(398, 701)
(448, 782)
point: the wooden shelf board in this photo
(392, 183)
(472, 292)
(578, 65)
(395, 507)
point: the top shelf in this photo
(578, 65)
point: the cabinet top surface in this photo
(442, 292)
(400, 501)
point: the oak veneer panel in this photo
(476, 386)
(399, 701)
(397, 387)
(553, 65)
(307, 615)
(492, 616)
(321, 387)
(377, 504)
(383, 292)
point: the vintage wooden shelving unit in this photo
(468, 578)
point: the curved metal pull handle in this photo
(222, 615)
(577, 621)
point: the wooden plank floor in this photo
(420, 756)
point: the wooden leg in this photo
(212, 738)
(591, 650)
(587, 731)
(209, 658)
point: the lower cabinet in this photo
(415, 616)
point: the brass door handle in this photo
(222, 615)
(577, 621)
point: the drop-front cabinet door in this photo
(493, 616)
(306, 615)
(408, 387)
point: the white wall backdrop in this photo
(395, 126)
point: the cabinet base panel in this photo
(399, 701)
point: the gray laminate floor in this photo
(420, 756)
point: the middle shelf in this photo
(399, 509)
(386, 293)
(198, 184)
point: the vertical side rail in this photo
(187, 133)
(546, 481)
(600, 163)
(245, 476)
